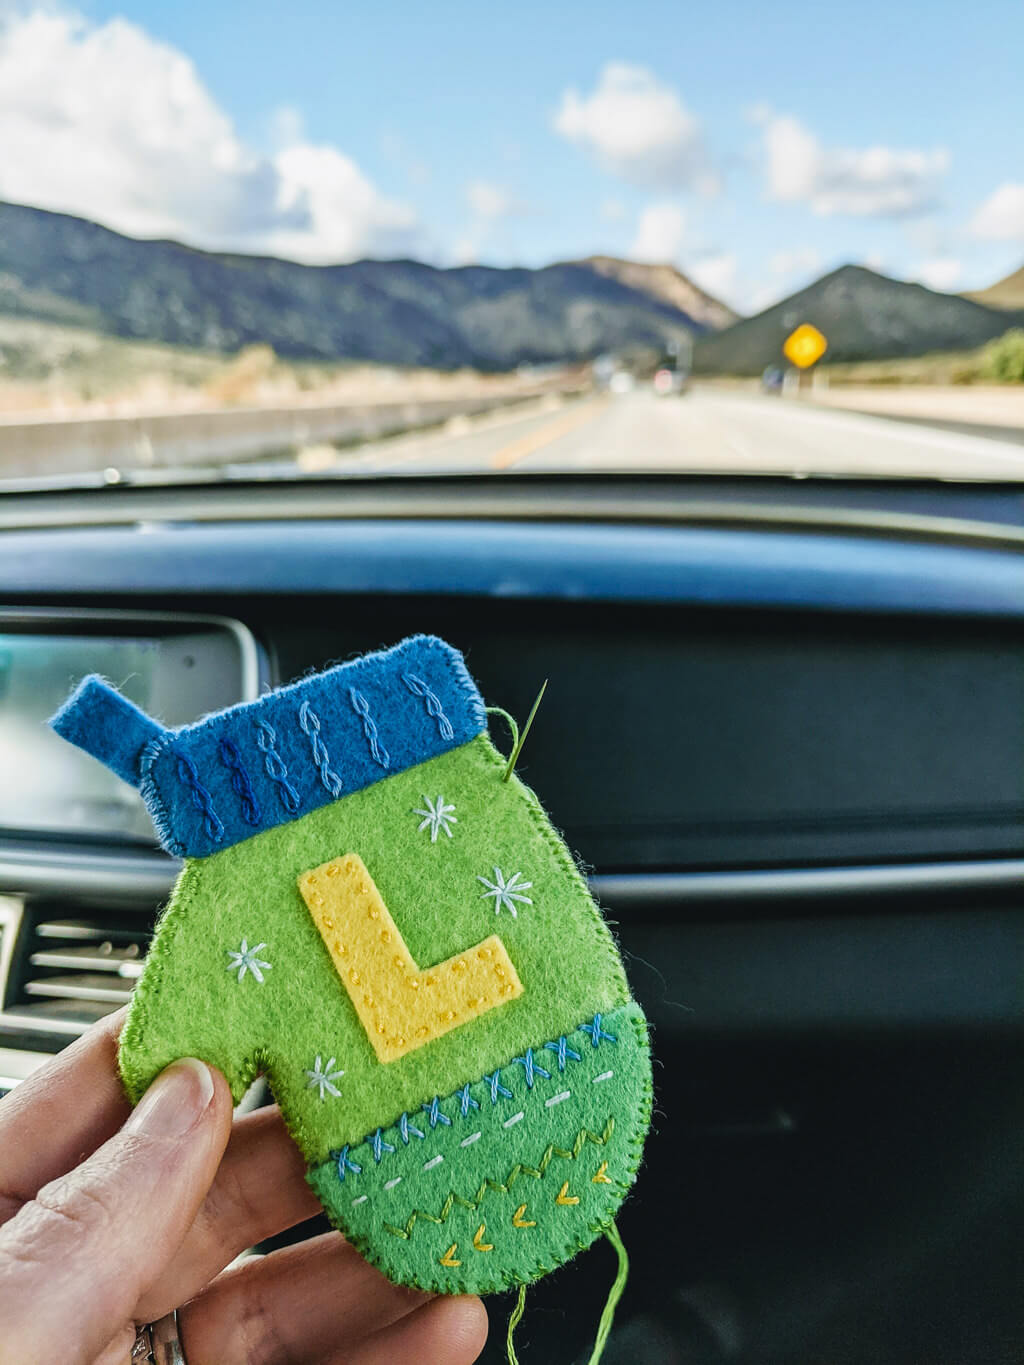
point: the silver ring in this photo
(158, 1343)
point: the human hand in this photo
(111, 1217)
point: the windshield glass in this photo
(337, 240)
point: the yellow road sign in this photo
(804, 346)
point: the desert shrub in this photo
(1004, 357)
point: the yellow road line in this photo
(543, 436)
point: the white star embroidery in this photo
(438, 815)
(506, 893)
(322, 1077)
(245, 960)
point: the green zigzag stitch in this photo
(582, 1138)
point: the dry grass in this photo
(46, 368)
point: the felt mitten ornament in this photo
(374, 915)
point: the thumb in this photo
(75, 1260)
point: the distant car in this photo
(771, 379)
(667, 382)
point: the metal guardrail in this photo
(81, 444)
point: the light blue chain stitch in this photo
(277, 771)
(310, 722)
(432, 702)
(362, 708)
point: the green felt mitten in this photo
(373, 918)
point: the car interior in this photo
(783, 733)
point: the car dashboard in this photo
(783, 733)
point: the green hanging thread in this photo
(510, 721)
(604, 1327)
(514, 1320)
(521, 740)
(518, 739)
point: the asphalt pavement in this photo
(701, 431)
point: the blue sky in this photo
(755, 146)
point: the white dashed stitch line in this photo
(434, 1161)
(557, 1099)
(361, 1200)
(390, 1184)
(604, 1076)
(514, 1119)
(468, 1142)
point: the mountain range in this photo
(863, 316)
(59, 268)
(56, 268)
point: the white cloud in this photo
(719, 275)
(105, 121)
(488, 200)
(660, 233)
(868, 182)
(1001, 217)
(637, 128)
(613, 210)
(490, 204)
(941, 273)
(801, 260)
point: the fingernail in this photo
(175, 1101)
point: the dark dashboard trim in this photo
(146, 876)
(940, 510)
(516, 560)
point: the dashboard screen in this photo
(46, 784)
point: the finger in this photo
(76, 1259)
(260, 1190)
(60, 1114)
(296, 1304)
(118, 1350)
(446, 1331)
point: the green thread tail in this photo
(515, 1318)
(518, 747)
(604, 1327)
(509, 721)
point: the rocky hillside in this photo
(865, 316)
(57, 268)
(1005, 293)
(669, 285)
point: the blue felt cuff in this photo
(257, 765)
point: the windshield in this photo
(337, 240)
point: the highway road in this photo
(705, 430)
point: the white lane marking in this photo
(514, 1119)
(390, 1184)
(604, 1076)
(468, 1142)
(434, 1161)
(557, 1099)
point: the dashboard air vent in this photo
(75, 971)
